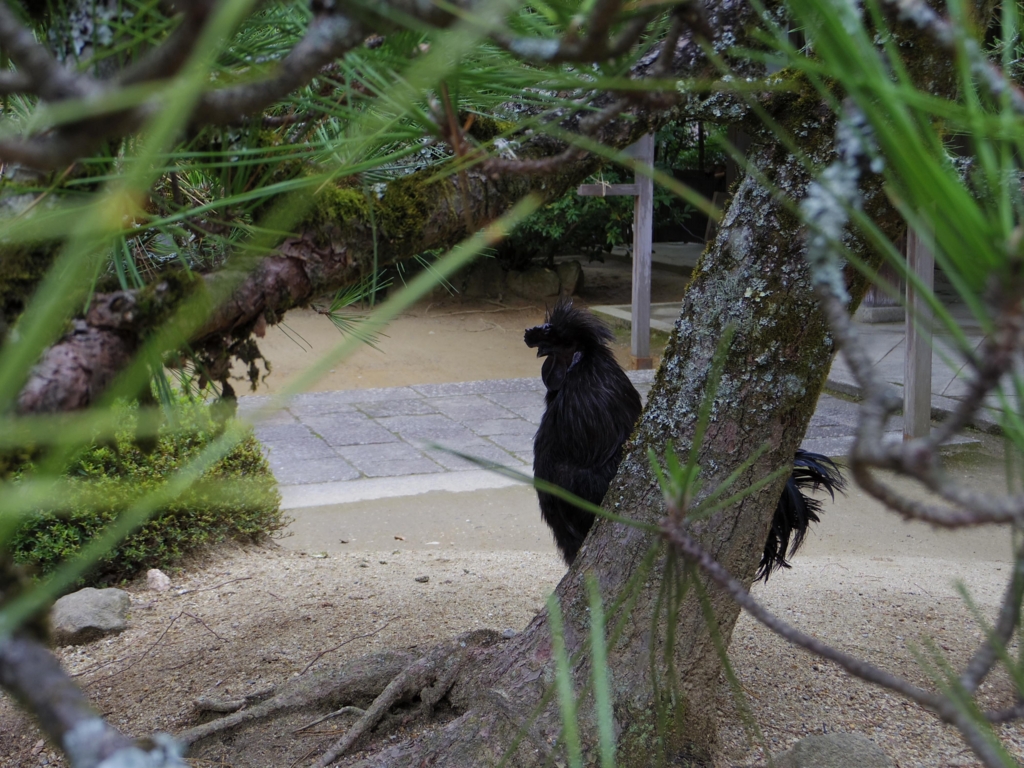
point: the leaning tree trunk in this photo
(755, 279)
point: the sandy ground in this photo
(447, 338)
(240, 619)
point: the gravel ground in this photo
(249, 618)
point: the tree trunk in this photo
(755, 279)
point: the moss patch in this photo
(406, 206)
(336, 205)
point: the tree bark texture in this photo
(416, 213)
(755, 279)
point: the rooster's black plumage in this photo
(591, 408)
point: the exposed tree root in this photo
(430, 678)
(359, 681)
(377, 682)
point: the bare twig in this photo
(916, 458)
(33, 676)
(207, 626)
(328, 37)
(330, 716)
(942, 706)
(949, 36)
(1009, 615)
(47, 77)
(14, 82)
(215, 586)
(342, 645)
(676, 535)
(145, 653)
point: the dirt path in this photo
(447, 338)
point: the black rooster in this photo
(591, 408)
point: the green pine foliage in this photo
(237, 499)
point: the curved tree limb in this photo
(78, 367)
(34, 676)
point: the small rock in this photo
(570, 277)
(534, 283)
(508, 634)
(157, 580)
(422, 579)
(834, 750)
(486, 280)
(88, 614)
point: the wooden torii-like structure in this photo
(918, 354)
(642, 191)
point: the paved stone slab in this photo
(389, 460)
(525, 405)
(314, 403)
(436, 427)
(250, 406)
(835, 411)
(465, 407)
(361, 443)
(481, 387)
(290, 471)
(281, 432)
(313, 448)
(420, 466)
(515, 443)
(386, 408)
(509, 426)
(353, 428)
(484, 452)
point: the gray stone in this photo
(397, 408)
(389, 460)
(88, 615)
(470, 407)
(484, 452)
(570, 277)
(491, 387)
(288, 432)
(534, 283)
(488, 427)
(513, 443)
(310, 448)
(288, 471)
(340, 401)
(879, 314)
(157, 580)
(486, 280)
(423, 466)
(349, 429)
(834, 750)
(430, 427)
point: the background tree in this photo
(205, 170)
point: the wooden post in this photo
(917, 371)
(643, 233)
(642, 189)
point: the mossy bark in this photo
(753, 278)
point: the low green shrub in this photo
(246, 508)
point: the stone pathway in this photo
(355, 445)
